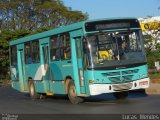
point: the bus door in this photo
(45, 63)
(79, 56)
(21, 67)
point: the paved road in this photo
(12, 101)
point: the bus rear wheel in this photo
(74, 99)
(32, 91)
(121, 95)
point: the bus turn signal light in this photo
(91, 81)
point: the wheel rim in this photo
(72, 92)
(32, 90)
(72, 95)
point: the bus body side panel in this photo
(41, 85)
(34, 71)
(58, 77)
(60, 70)
(31, 70)
(108, 81)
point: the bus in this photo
(81, 60)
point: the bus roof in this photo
(119, 18)
(63, 29)
(48, 33)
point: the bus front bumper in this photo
(97, 89)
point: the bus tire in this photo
(121, 95)
(74, 99)
(32, 91)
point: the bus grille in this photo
(122, 86)
(121, 76)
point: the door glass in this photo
(45, 57)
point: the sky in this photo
(115, 8)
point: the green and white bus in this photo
(80, 60)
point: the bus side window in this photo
(13, 55)
(54, 48)
(61, 49)
(28, 53)
(29, 59)
(35, 51)
(67, 47)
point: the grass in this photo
(154, 75)
(4, 81)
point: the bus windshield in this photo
(110, 49)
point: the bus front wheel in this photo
(72, 94)
(121, 95)
(32, 91)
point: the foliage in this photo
(152, 46)
(19, 18)
(152, 56)
(155, 75)
(35, 14)
(5, 37)
(152, 40)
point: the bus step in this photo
(49, 93)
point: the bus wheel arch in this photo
(29, 79)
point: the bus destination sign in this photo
(111, 24)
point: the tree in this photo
(5, 37)
(35, 14)
(152, 46)
(19, 18)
